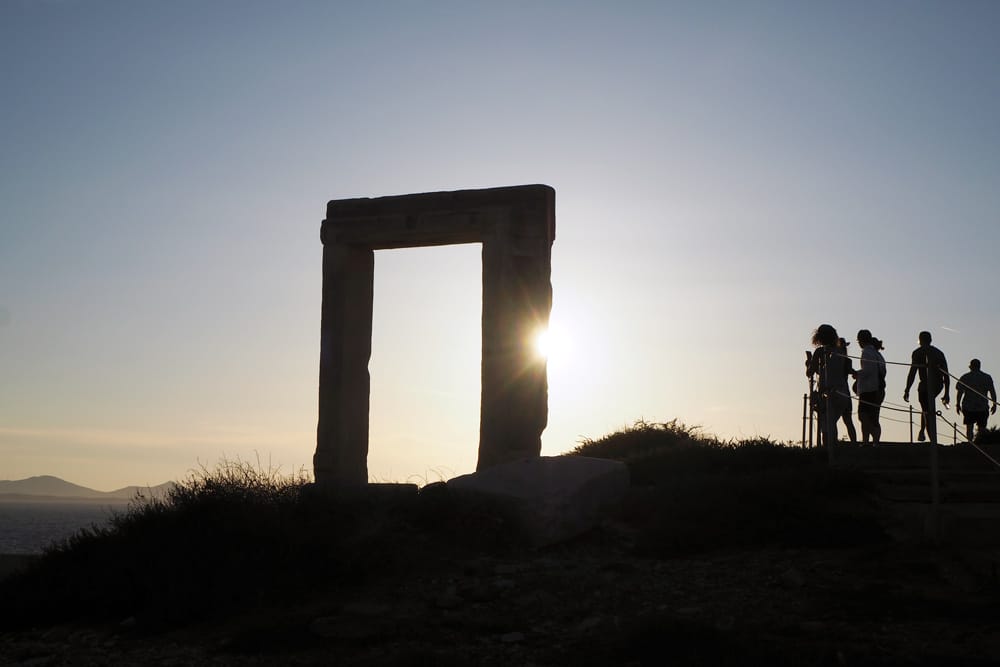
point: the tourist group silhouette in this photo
(833, 378)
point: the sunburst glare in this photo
(553, 345)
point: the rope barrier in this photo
(966, 388)
(878, 405)
(890, 363)
(893, 419)
(895, 407)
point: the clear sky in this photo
(728, 176)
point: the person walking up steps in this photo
(871, 387)
(827, 364)
(932, 367)
(974, 387)
(852, 433)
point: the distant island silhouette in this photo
(49, 487)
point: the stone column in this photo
(341, 458)
(517, 298)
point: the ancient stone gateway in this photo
(516, 226)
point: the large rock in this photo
(550, 498)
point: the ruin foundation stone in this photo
(516, 226)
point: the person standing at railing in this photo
(870, 387)
(827, 364)
(932, 367)
(971, 392)
(852, 433)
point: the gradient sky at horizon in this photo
(728, 176)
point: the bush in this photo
(641, 440)
(989, 436)
(693, 493)
(233, 537)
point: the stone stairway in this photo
(969, 510)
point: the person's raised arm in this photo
(946, 378)
(909, 379)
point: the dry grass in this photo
(241, 536)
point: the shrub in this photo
(641, 440)
(693, 493)
(989, 436)
(235, 536)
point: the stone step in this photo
(949, 494)
(967, 524)
(923, 475)
(955, 484)
(899, 455)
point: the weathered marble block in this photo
(548, 499)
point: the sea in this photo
(29, 526)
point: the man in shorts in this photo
(929, 363)
(974, 387)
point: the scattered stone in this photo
(504, 584)
(725, 623)
(589, 623)
(39, 661)
(367, 609)
(792, 578)
(618, 567)
(449, 599)
(512, 637)
(813, 627)
(479, 592)
(690, 611)
(350, 628)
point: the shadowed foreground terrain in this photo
(723, 553)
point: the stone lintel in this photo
(439, 218)
(409, 231)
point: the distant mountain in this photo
(52, 487)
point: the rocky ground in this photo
(594, 602)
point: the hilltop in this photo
(723, 553)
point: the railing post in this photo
(933, 528)
(812, 421)
(911, 424)
(805, 416)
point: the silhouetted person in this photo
(848, 417)
(871, 386)
(932, 367)
(827, 364)
(974, 387)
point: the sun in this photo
(543, 343)
(552, 345)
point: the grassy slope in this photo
(238, 537)
(693, 492)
